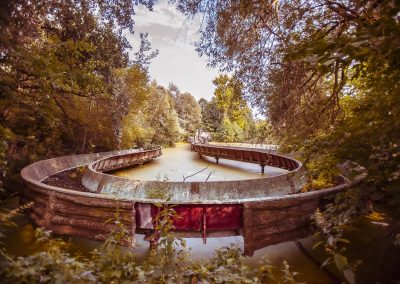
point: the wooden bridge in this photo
(248, 155)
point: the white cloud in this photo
(177, 62)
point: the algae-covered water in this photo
(179, 162)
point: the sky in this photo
(177, 61)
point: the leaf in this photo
(157, 204)
(331, 240)
(317, 244)
(326, 262)
(350, 276)
(344, 241)
(340, 261)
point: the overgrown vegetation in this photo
(325, 74)
(228, 117)
(68, 86)
(167, 262)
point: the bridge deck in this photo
(248, 155)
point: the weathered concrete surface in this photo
(262, 221)
(70, 212)
(210, 192)
(286, 218)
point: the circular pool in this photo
(265, 210)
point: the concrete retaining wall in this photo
(210, 192)
(70, 212)
(264, 221)
(286, 218)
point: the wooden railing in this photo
(248, 155)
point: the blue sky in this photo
(177, 61)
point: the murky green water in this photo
(179, 162)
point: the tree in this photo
(189, 112)
(211, 115)
(130, 92)
(162, 115)
(229, 132)
(314, 69)
(229, 100)
(57, 63)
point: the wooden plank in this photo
(39, 210)
(38, 219)
(86, 233)
(283, 237)
(282, 227)
(248, 231)
(89, 211)
(284, 202)
(100, 202)
(273, 216)
(83, 223)
(36, 197)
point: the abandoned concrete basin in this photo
(265, 210)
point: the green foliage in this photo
(188, 110)
(163, 119)
(322, 173)
(289, 276)
(166, 248)
(211, 115)
(229, 132)
(262, 132)
(6, 217)
(111, 263)
(59, 63)
(230, 101)
(227, 115)
(332, 222)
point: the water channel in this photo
(179, 162)
(175, 164)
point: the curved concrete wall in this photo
(262, 221)
(210, 192)
(70, 212)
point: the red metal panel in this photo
(189, 218)
(218, 217)
(256, 156)
(224, 217)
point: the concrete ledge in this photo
(210, 192)
(261, 221)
